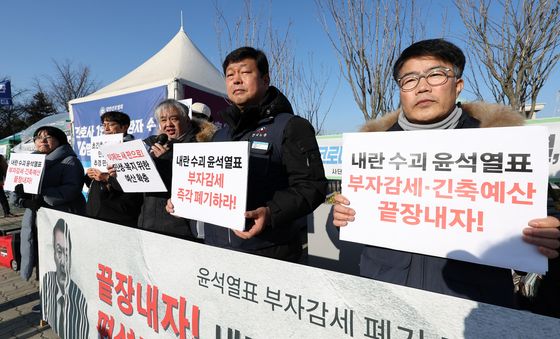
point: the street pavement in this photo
(17, 297)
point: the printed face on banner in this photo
(135, 168)
(431, 192)
(26, 169)
(61, 258)
(210, 182)
(98, 161)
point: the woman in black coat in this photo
(61, 189)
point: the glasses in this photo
(435, 77)
(46, 138)
(110, 124)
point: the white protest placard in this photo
(98, 161)
(553, 125)
(4, 150)
(210, 182)
(26, 169)
(330, 147)
(136, 171)
(188, 103)
(156, 286)
(464, 194)
(553, 150)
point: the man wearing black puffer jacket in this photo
(286, 178)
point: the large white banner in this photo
(136, 171)
(210, 182)
(463, 194)
(26, 169)
(132, 283)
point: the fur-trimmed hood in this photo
(206, 130)
(489, 115)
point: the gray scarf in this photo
(450, 122)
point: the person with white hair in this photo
(175, 126)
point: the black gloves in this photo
(18, 190)
(24, 200)
(32, 204)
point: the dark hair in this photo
(61, 227)
(437, 48)
(3, 166)
(243, 53)
(54, 132)
(115, 116)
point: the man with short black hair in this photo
(428, 74)
(286, 177)
(106, 200)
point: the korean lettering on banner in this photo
(303, 308)
(425, 185)
(330, 147)
(97, 159)
(138, 105)
(135, 168)
(26, 169)
(123, 294)
(210, 182)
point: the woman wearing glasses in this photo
(61, 189)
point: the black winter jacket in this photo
(446, 276)
(288, 177)
(153, 216)
(107, 202)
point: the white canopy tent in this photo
(179, 61)
(179, 70)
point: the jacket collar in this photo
(60, 153)
(489, 115)
(273, 103)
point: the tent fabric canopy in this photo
(179, 60)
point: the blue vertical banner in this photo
(5, 93)
(138, 105)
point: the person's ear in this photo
(266, 79)
(459, 85)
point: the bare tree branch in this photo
(69, 82)
(303, 87)
(516, 50)
(367, 39)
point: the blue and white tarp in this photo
(138, 105)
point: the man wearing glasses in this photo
(106, 200)
(428, 74)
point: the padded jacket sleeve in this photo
(307, 183)
(70, 187)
